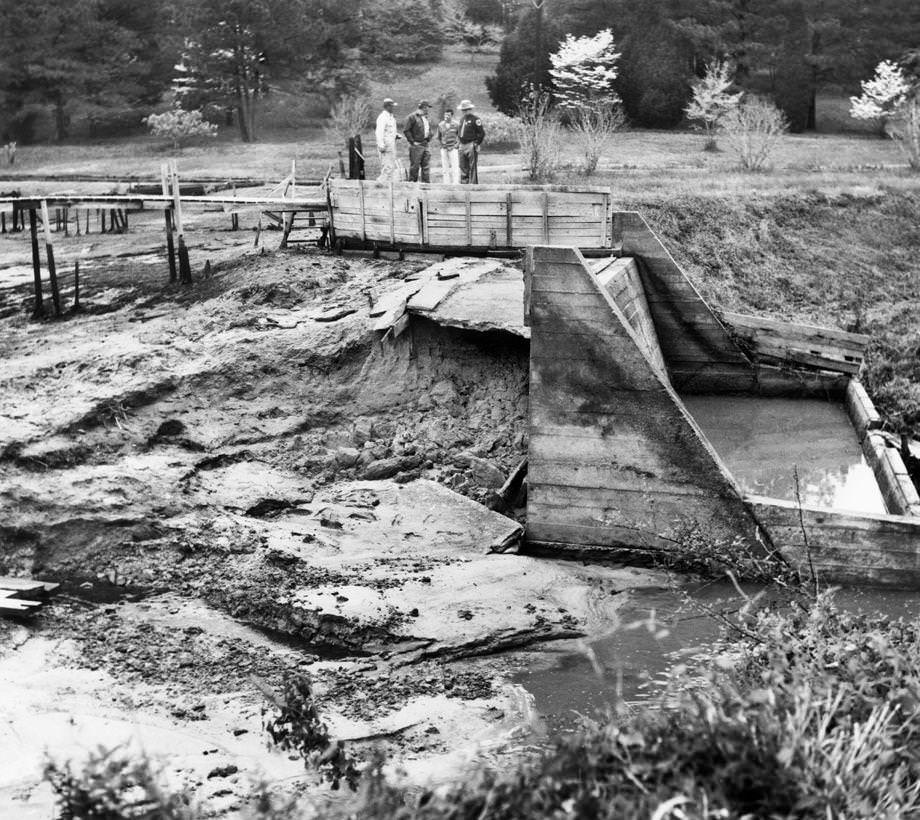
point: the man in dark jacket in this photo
(471, 135)
(418, 134)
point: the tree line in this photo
(788, 49)
(110, 62)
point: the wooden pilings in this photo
(49, 252)
(38, 310)
(185, 268)
(167, 216)
(289, 215)
(76, 286)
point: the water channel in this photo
(765, 442)
(659, 628)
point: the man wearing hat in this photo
(387, 133)
(418, 134)
(471, 134)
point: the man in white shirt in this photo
(387, 133)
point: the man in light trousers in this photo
(387, 133)
(450, 148)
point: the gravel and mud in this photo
(231, 488)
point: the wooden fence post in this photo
(289, 216)
(39, 309)
(76, 286)
(167, 216)
(49, 252)
(185, 268)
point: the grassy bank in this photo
(839, 259)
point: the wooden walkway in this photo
(468, 218)
(283, 207)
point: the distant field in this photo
(637, 163)
(458, 73)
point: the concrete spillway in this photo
(620, 463)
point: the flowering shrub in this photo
(711, 100)
(583, 70)
(891, 97)
(179, 126)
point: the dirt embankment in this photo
(232, 488)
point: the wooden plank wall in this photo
(470, 216)
(620, 278)
(614, 458)
(845, 548)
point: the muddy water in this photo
(659, 628)
(763, 441)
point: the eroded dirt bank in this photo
(231, 489)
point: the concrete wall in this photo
(614, 458)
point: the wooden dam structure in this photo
(617, 463)
(620, 341)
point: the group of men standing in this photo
(459, 142)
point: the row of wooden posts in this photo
(177, 253)
(175, 235)
(115, 222)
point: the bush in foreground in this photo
(815, 714)
(809, 712)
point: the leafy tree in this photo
(459, 27)
(400, 31)
(712, 100)
(653, 75)
(75, 57)
(583, 71)
(520, 63)
(237, 48)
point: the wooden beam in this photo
(167, 217)
(38, 310)
(49, 253)
(76, 286)
(544, 199)
(185, 268)
(508, 221)
(392, 216)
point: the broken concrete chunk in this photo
(485, 473)
(333, 314)
(346, 456)
(389, 467)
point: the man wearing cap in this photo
(471, 134)
(418, 134)
(387, 133)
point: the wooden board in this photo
(860, 408)
(621, 280)
(797, 344)
(844, 547)
(26, 586)
(607, 432)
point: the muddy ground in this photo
(232, 488)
